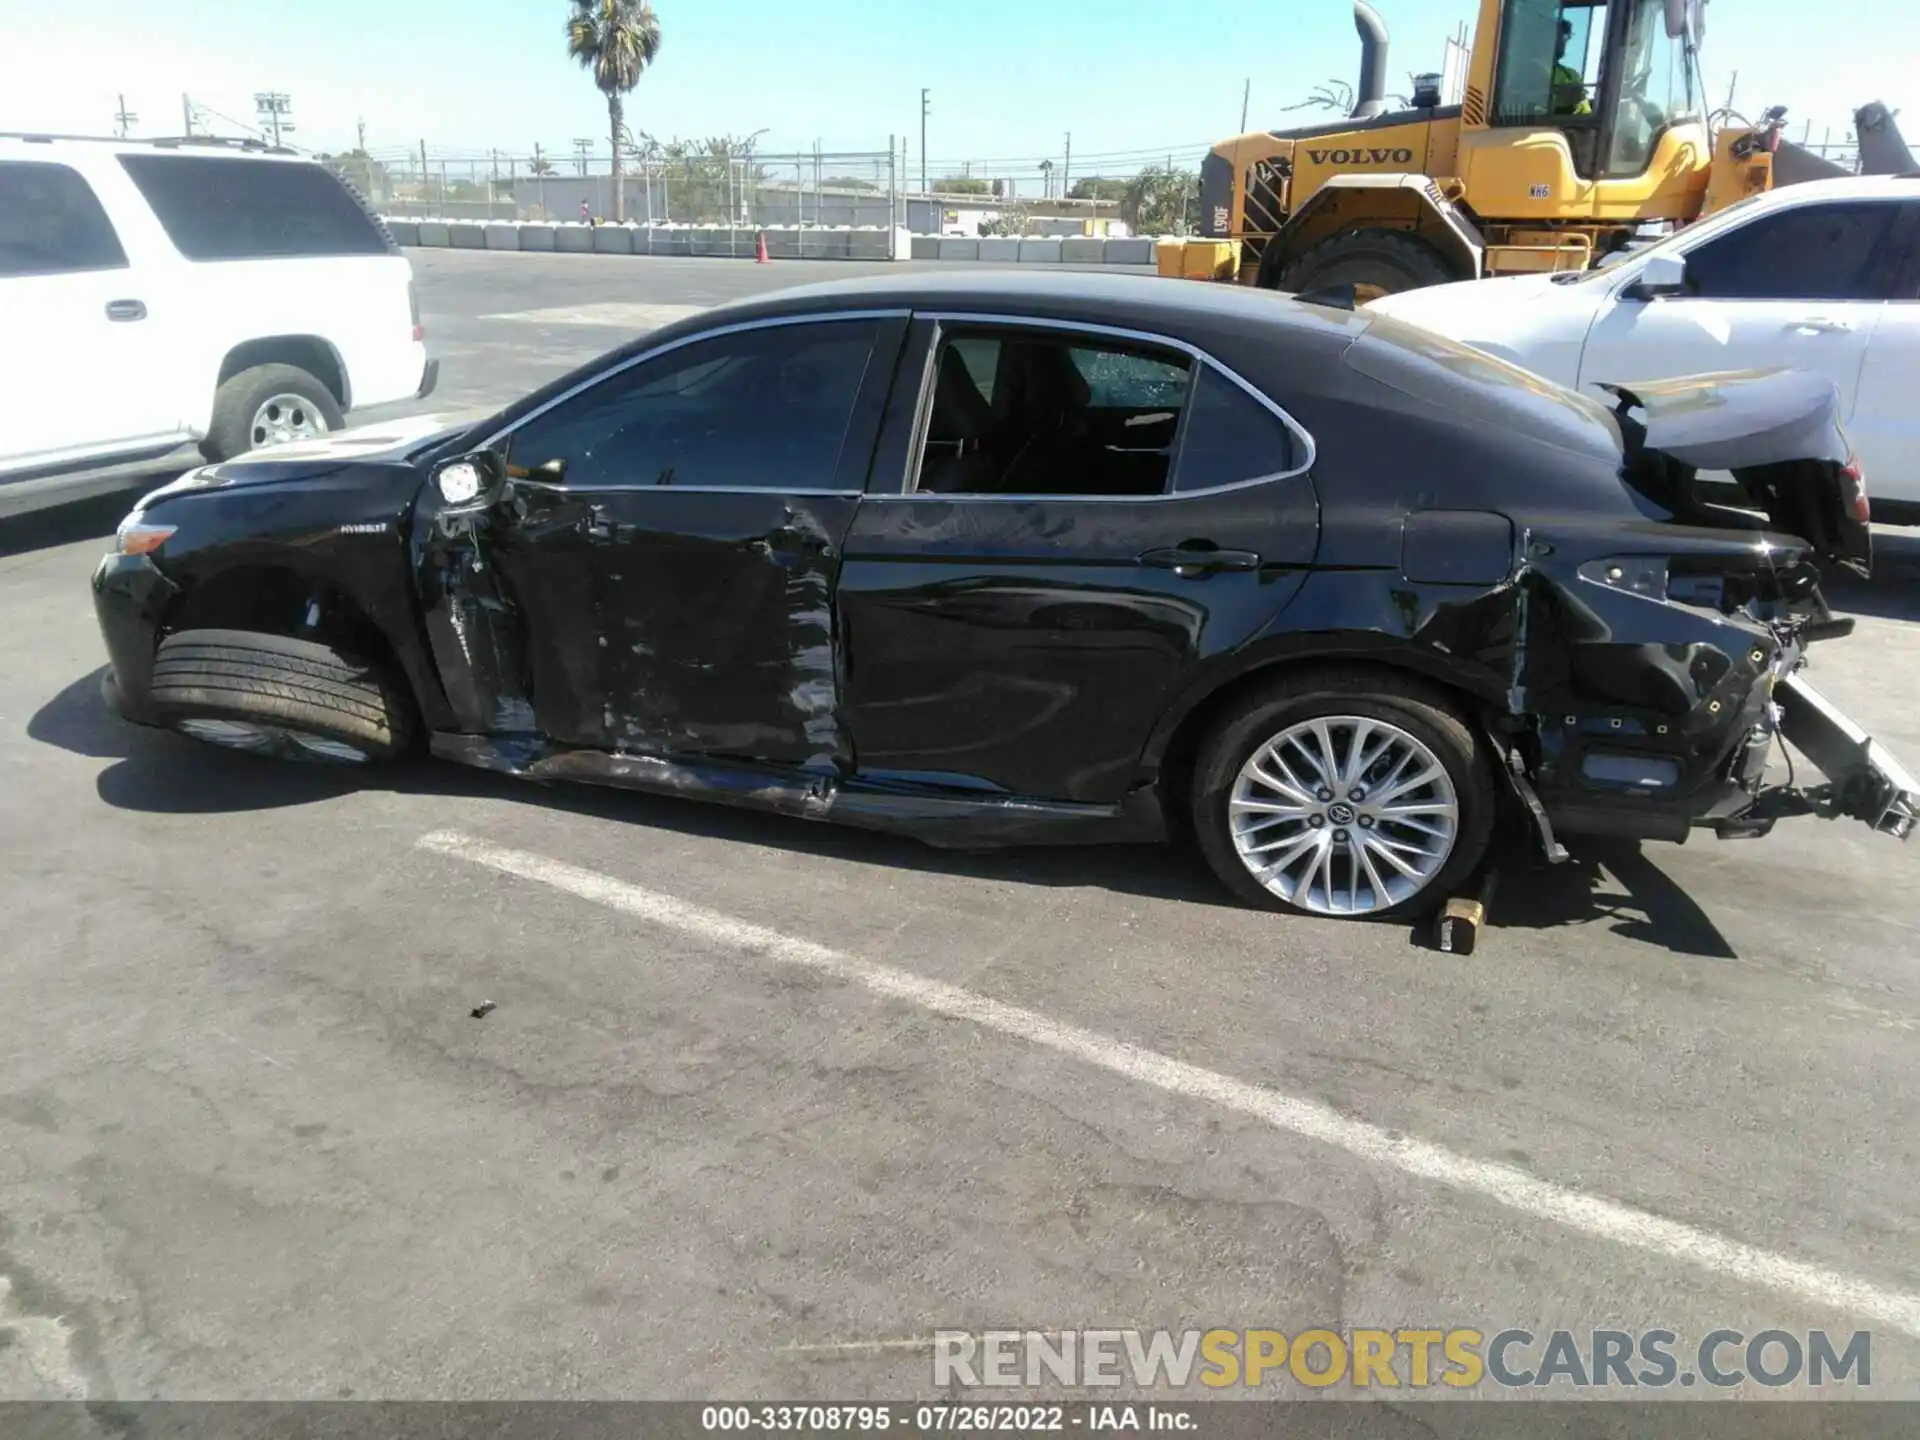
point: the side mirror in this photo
(472, 482)
(1659, 275)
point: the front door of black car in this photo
(674, 536)
(1087, 520)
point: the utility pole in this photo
(1246, 94)
(360, 130)
(925, 106)
(1066, 171)
(581, 148)
(273, 107)
(124, 117)
(186, 114)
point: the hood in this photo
(389, 442)
(1522, 319)
(384, 440)
(1462, 295)
(1777, 431)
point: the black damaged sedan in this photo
(993, 559)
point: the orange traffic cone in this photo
(760, 251)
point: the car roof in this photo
(1144, 302)
(26, 144)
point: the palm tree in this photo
(617, 40)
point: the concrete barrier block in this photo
(870, 245)
(404, 232)
(1038, 248)
(574, 239)
(1002, 248)
(953, 247)
(433, 233)
(782, 244)
(924, 247)
(1135, 250)
(1082, 249)
(467, 236)
(536, 237)
(612, 240)
(673, 241)
(503, 237)
(829, 244)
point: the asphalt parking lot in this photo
(761, 1105)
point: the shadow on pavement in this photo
(162, 773)
(1894, 591)
(1610, 883)
(1606, 883)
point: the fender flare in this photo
(1441, 220)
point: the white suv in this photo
(157, 293)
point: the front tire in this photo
(269, 405)
(1348, 794)
(272, 695)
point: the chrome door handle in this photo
(1189, 561)
(126, 310)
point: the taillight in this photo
(413, 309)
(1773, 141)
(1857, 500)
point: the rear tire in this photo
(237, 406)
(1377, 708)
(1374, 262)
(272, 695)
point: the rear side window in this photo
(245, 209)
(1231, 437)
(51, 222)
(1812, 252)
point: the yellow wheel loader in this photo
(1582, 125)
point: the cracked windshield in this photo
(923, 719)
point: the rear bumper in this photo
(1868, 782)
(130, 596)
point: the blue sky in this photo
(1129, 78)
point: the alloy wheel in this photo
(1344, 815)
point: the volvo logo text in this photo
(1361, 157)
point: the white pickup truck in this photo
(155, 294)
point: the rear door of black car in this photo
(1072, 524)
(669, 555)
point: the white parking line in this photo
(1514, 1189)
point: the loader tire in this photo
(1374, 262)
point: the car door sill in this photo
(942, 817)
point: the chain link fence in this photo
(660, 185)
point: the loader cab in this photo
(1611, 76)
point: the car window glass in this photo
(228, 208)
(1656, 89)
(1036, 413)
(1812, 252)
(1549, 61)
(766, 408)
(1115, 378)
(52, 222)
(1230, 437)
